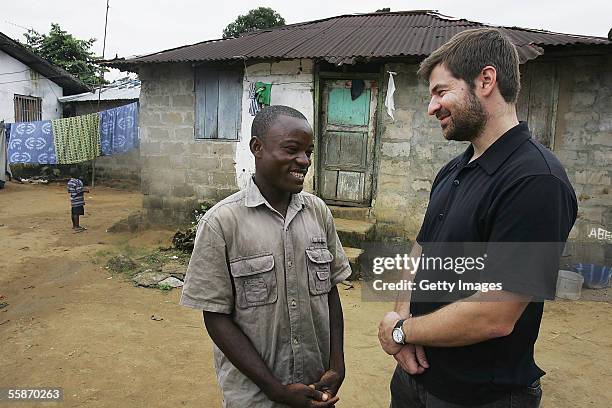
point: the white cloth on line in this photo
(389, 102)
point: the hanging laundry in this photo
(357, 87)
(4, 168)
(77, 139)
(32, 142)
(263, 92)
(389, 102)
(119, 129)
(254, 105)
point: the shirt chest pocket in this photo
(318, 262)
(255, 281)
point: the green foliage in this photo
(256, 19)
(164, 287)
(184, 241)
(64, 50)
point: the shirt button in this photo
(441, 215)
(295, 340)
(290, 264)
(456, 182)
(293, 304)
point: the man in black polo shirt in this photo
(507, 194)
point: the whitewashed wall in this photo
(26, 82)
(292, 85)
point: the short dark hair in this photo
(468, 52)
(266, 117)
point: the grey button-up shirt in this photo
(272, 274)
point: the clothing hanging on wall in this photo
(254, 105)
(263, 92)
(389, 101)
(357, 87)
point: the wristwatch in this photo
(398, 332)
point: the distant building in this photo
(117, 93)
(30, 86)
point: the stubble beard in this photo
(467, 123)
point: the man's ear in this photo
(256, 146)
(486, 81)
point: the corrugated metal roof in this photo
(123, 89)
(342, 38)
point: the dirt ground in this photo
(71, 323)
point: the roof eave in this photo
(59, 76)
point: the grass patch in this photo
(164, 287)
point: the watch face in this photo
(398, 336)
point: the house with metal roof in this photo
(195, 116)
(30, 86)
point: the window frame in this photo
(211, 81)
(27, 108)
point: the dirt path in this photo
(70, 323)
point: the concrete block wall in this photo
(178, 171)
(583, 143)
(124, 166)
(412, 150)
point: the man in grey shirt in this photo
(264, 270)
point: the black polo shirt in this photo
(515, 192)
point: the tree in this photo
(256, 19)
(67, 52)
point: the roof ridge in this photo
(541, 31)
(380, 13)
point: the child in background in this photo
(77, 199)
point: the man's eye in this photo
(291, 150)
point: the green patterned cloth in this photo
(77, 139)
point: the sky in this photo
(137, 27)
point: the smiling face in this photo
(456, 106)
(282, 156)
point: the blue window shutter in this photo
(230, 104)
(218, 104)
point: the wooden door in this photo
(346, 146)
(537, 101)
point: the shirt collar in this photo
(254, 198)
(500, 150)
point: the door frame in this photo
(319, 78)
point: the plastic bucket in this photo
(569, 284)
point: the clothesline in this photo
(75, 139)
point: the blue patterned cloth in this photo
(31, 142)
(119, 129)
